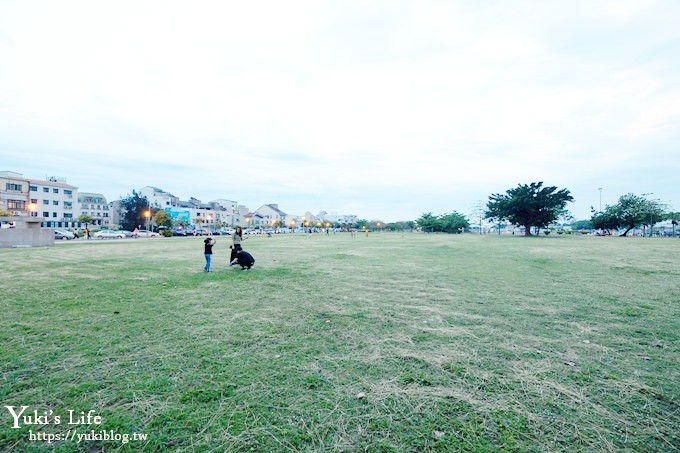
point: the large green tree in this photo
(161, 218)
(629, 212)
(447, 223)
(453, 222)
(132, 209)
(529, 205)
(428, 222)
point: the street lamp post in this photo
(147, 214)
(600, 189)
(650, 217)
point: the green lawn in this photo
(331, 343)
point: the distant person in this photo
(86, 234)
(243, 259)
(207, 251)
(237, 238)
(75, 234)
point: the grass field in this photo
(385, 343)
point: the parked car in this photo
(109, 234)
(128, 234)
(201, 232)
(147, 234)
(64, 235)
(179, 232)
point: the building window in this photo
(46, 189)
(46, 201)
(54, 214)
(34, 201)
(13, 187)
(55, 202)
(68, 192)
(68, 216)
(46, 214)
(34, 188)
(55, 190)
(16, 204)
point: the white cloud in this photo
(440, 102)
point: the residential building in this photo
(55, 201)
(271, 216)
(96, 206)
(158, 198)
(115, 216)
(14, 194)
(227, 212)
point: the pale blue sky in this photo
(384, 109)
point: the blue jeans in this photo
(208, 259)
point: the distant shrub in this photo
(166, 233)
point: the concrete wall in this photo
(26, 233)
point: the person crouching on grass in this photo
(243, 259)
(207, 251)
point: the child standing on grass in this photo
(207, 251)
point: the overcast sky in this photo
(383, 109)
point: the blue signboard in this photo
(179, 214)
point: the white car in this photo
(64, 235)
(109, 234)
(146, 234)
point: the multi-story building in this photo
(158, 198)
(95, 206)
(55, 201)
(272, 216)
(227, 212)
(14, 190)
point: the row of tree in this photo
(532, 206)
(537, 206)
(632, 211)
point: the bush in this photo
(166, 233)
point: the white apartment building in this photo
(227, 212)
(96, 206)
(158, 198)
(271, 216)
(55, 201)
(14, 190)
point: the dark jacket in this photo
(245, 259)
